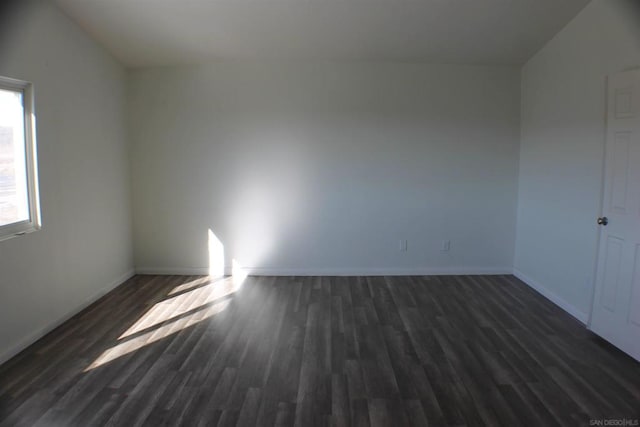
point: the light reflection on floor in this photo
(185, 305)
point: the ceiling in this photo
(169, 32)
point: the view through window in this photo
(19, 212)
(14, 198)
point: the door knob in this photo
(603, 220)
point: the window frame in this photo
(32, 224)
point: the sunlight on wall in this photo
(238, 272)
(216, 256)
(260, 214)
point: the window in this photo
(19, 205)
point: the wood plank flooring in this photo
(320, 351)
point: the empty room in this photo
(319, 213)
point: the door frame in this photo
(603, 177)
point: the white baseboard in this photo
(176, 271)
(283, 271)
(268, 271)
(35, 336)
(551, 296)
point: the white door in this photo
(616, 307)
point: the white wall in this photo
(84, 246)
(562, 143)
(324, 167)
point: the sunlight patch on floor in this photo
(193, 284)
(186, 305)
(147, 338)
(177, 305)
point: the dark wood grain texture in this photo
(319, 351)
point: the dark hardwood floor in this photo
(306, 351)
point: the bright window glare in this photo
(14, 198)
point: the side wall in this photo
(562, 148)
(323, 168)
(84, 247)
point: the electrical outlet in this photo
(446, 245)
(403, 246)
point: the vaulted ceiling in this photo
(168, 32)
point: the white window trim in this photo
(33, 223)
